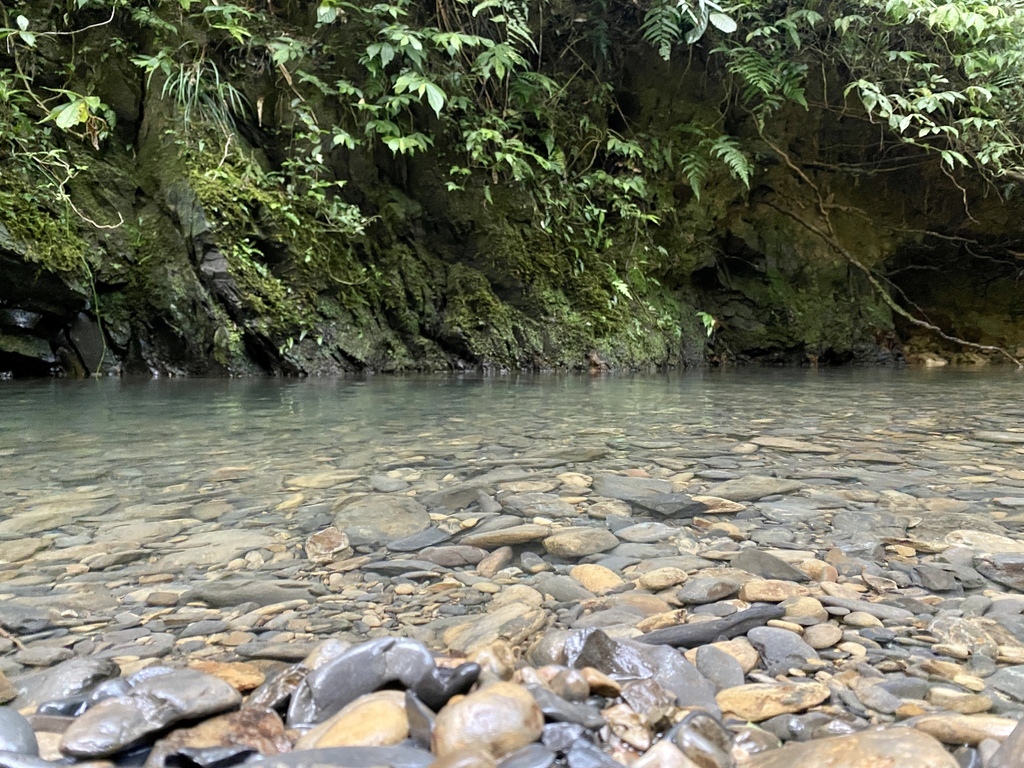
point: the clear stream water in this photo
(79, 456)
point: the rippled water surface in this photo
(130, 447)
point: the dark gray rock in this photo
(1009, 680)
(753, 487)
(627, 488)
(1010, 752)
(719, 667)
(67, 679)
(454, 556)
(563, 589)
(557, 709)
(420, 540)
(707, 589)
(362, 669)
(228, 593)
(400, 567)
(16, 735)
(1007, 570)
(878, 610)
(538, 505)
(381, 518)
(152, 704)
(780, 649)
(767, 566)
(692, 635)
(671, 505)
(530, 756)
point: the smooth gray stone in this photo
(538, 505)
(692, 635)
(559, 737)
(934, 579)
(673, 505)
(228, 593)
(906, 687)
(625, 488)
(766, 565)
(719, 667)
(1007, 570)
(878, 610)
(1010, 753)
(530, 756)
(753, 487)
(348, 757)
(152, 704)
(421, 540)
(646, 533)
(16, 734)
(23, 619)
(454, 555)
(559, 710)
(583, 754)
(362, 669)
(780, 649)
(421, 720)
(563, 589)
(67, 679)
(15, 760)
(381, 518)
(707, 589)
(1009, 680)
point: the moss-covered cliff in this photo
(254, 188)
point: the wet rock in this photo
(16, 735)
(692, 635)
(707, 589)
(231, 592)
(329, 544)
(759, 701)
(780, 649)
(7, 691)
(67, 679)
(420, 540)
(442, 683)
(150, 705)
(557, 709)
(519, 534)
(584, 754)
(515, 622)
(466, 758)
(671, 505)
(579, 542)
(256, 729)
(754, 487)
(381, 518)
(1005, 569)
(894, 746)
(538, 505)
(1010, 681)
(664, 754)
(822, 636)
(530, 756)
(454, 556)
(625, 488)
(564, 589)
(662, 578)
(719, 667)
(770, 591)
(494, 562)
(500, 718)
(374, 720)
(359, 670)
(789, 445)
(767, 566)
(240, 675)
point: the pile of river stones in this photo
(524, 616)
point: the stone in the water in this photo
(753, 487)
(558, 710)
(381, 518)
(759, 701)
(596, 578)
(579, 542)
(454, 556)
(326, 545)
(501, 718)
(719, 667)
(767, 566)
(151, 704)
(538, 505)
(707, 589)
(362, 669)
(869, 749)
(530, 756)
(428, 537)
(519, 534)
(374, 720)
(515, 622)
(16, 735)
(625, 488)
(230, 592)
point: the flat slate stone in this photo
(381, 519)
(753, 487)
(421, 540)
(625, 488)
(767, 566)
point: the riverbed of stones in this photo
(768, 600)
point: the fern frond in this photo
(663, 27)
(727, 149)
